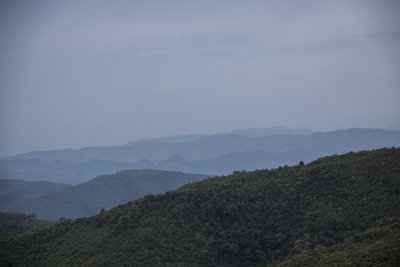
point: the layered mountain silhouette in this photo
(217, 154)
(341, 210)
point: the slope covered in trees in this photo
(15, 224)
(248, 218)
(378, 246)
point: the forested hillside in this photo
(15, 224)
(245, 219)
(378, 246)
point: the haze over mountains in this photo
(126, 124)
(341, 210)
(247, 149)
(52, 201)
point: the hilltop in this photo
(247, 218)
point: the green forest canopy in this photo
(248, 218)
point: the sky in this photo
(97, 73)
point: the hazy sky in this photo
(77, 73)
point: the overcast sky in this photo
(88, 73)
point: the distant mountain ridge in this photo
(219, 145)
(217, 154)
(261, 131)
(250, 132)
(57, 170)
(141, 147)
(169, 139)
(105, 191)
(341, 210)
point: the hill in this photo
(104, 191)
(213, 155)
(13, 191)
(245, 219)
(57, 170)
(15, 224)
(245, 160)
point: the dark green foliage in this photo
(15, 224)
(245, 219)
(378, 246)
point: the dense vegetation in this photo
(103, 192)
(378, 246)
(15, 224)
(248, 219)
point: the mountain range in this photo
(213, 155)
(341, 210)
